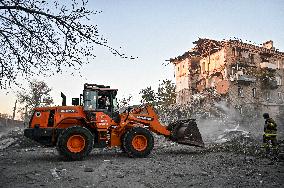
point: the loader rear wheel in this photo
(138, 142)
(75, 143)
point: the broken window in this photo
(251, 57)
(241, 109)
(233, 52)
(264, 58)
(254, 92)
(268, 95)
(278, 80)
(280, 96)
(240, 91)
(225, 72)
(239, 52)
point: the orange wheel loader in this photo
(94, 121)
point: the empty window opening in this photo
(268, 96)
(233, 51)
(278, 80)
(240, 91)
(254, 92)
(280, 96)
(241, 110)
(251, 56)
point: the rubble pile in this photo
(237, 142)
(162, 142)
(15, 138)
(222, 127)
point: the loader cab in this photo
(99, 98)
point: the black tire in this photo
(122, 145)
(130, 135)
(83, 133)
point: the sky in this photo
(155, 31)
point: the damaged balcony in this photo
(269, 78)
(268, 65)
(269, 83)
(241, 73)
(243, 78)
(246, 61)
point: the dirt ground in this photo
(24, 164)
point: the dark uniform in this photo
(270, 132)
(102, 102)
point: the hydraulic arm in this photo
(182, 131)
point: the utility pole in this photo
(14, 110)
(26, 115)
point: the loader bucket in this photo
(186, 132)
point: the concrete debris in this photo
(233, 163)
(120, 175)
(49, 151)
(6, 143)
(15, 138)
(54, 174)
(230, 134)
(57, 173)
(29, 149)
(88, 170)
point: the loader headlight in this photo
(38, 114)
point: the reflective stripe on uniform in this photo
(267, 134)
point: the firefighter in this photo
(270, 133)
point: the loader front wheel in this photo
(138, 142)
(75, 143)
(122, 145)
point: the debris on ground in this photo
(15, 139)
(88, 170)
(54, 174)
(57, 173)
(232, 158)
(6, 143)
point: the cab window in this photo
(90, 100)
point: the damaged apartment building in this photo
(249, 77)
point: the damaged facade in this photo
(249, 77)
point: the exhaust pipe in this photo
(63, 99)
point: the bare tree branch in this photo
(46, 37)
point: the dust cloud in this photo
(224, 123)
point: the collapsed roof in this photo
(204, 47)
